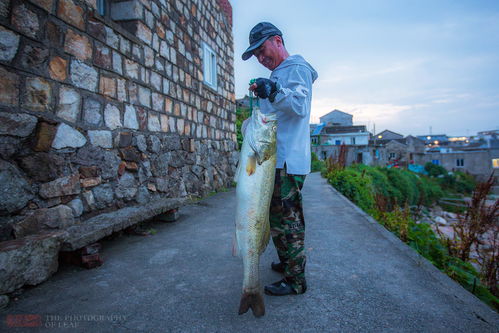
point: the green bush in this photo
(397, 221)
(430, 191)
(399, 186)
(434, 170)
(405, 183)
(354, 185)
(317, 165)
(423, 239)
(458, 181)
(363, 184)
(465, 183)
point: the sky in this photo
(410, 66)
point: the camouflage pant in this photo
(287, 226)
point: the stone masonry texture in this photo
(98, 113)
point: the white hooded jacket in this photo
(292, 103)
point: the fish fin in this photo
(238, 169)
(253, 301)
(235, 246)
(251, 165)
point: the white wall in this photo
(346, 138)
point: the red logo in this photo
(24, 320)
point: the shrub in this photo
(465, 183)
(397, 221)
(317, 165)
(423, 239)
(354, 185)
(383, 192)
(430, 192)
(382, 187)
(434, 170)
(405, 184)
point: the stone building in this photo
(336, 130)
(390, 148)
(107, 104)
(337, 118)
(478, 163)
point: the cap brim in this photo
(249, 51)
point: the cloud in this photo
(361, 72)
(362, 113)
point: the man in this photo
(289, 93)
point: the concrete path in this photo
(184, 279)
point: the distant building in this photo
(479, 163)
(347, 135)
(458, 141)
(434, 139)
(477, 155)
(489, 138)
(337, 118)
(337, 129)
(243, 102)
(408, 150)
(387, 135)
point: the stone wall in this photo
(102, 112)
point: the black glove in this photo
(265, 88)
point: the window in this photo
(460, 162)
(352, 141)
(337, 142)
(495, 163)
(392, 156)
(101, 7)
(324, 155)
(209, 66)
(436, 162)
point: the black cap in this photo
(258, 35)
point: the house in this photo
(387, 135)
(489, 138)
(337, 118)
(337, 129)
(479, 163)
(409, 150)
(477, 155)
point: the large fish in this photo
(255, 183)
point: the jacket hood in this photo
(297, 59)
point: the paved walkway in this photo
(184, 279)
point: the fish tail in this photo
(253, 301)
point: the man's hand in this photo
(264, 88)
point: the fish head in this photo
(264, 135)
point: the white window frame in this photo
(209, 66)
